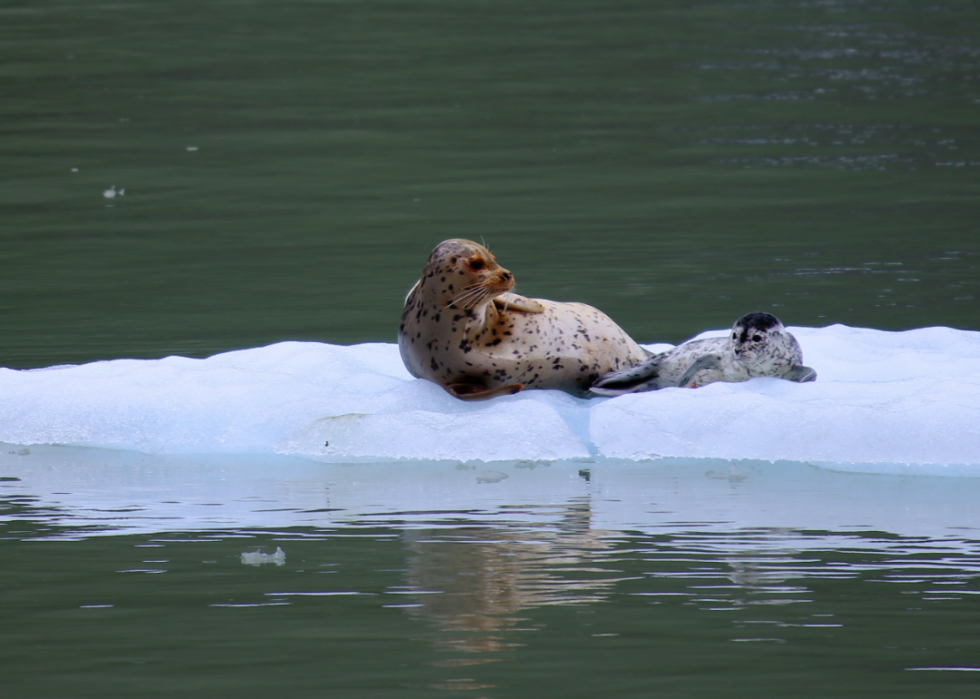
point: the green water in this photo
(287, 168)
(128, 575)
(676, 164)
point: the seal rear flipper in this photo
(800, 374)
(513, 302)
(645, 376)
(652, 385)
(470, 391)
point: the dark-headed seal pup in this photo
(758, 345)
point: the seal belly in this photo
(567, 346)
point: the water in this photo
(287, 167)
(674, 578)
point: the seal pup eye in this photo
(757, 338)
(477, 264)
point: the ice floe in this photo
(889, 402)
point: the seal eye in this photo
(477, 264)
(757, 338)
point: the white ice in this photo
(884, 402)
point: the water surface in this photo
(288, 166)
(155, 576)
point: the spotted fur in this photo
(758, 345)
(463, 329)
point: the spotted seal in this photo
(758, 345)
(463, 329)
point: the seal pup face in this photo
(757, 339)
(464, 275)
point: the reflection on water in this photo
(644, 579)
(482, 577)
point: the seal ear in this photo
(800, 374)
(469, 391)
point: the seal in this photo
(464, 329)
(758, 345)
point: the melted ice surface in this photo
(889, 402)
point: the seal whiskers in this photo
(472, 296)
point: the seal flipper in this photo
(645, 376)
(702, 363)
(513, 302)
(470, 391)
(800, 374)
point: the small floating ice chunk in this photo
(112, 192)
(257, 558)
(192, 148)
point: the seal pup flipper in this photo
(800, 374)
(469, 391)
(706, 362)
(513, 302)
(645, 376)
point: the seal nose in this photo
(506, 276)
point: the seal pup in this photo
(463, 329)
(758, 345)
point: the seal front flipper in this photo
(470, 391)
(800, 374)
(513, 302)
(645, 376)
(703, 363)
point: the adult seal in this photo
(758, 345)
(464, 330)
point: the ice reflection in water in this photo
(486, 575)
(667, 572)
(479, 586)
